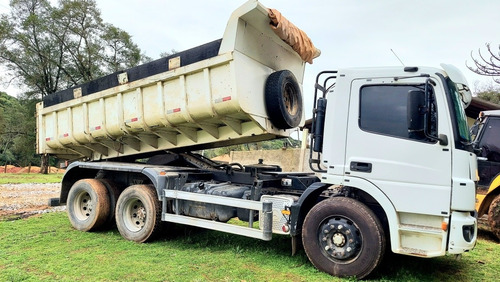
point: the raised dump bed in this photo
(209, 96)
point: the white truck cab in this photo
(398, 136)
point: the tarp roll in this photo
(293, 36)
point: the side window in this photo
(490, 147)
(383, 110)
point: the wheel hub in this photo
(83, 206)
(339, 239)
(136, 215)
(289, 100)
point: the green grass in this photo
(48, 248)
(30, 178)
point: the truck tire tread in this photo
(139, 201)
(283, 99)
(370, 243)
(88, 204)
(494, 216)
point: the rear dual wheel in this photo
(91, 204)
(138, 213)
(88, 204)
(343, 237)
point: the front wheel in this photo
(343, 237)
(138, 213)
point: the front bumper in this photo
(463, 232)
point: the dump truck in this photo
(486, 140)
(389, 146)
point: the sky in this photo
(349, 33)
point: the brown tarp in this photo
(293, 36)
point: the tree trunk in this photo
(44, 164)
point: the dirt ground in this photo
(23, 200)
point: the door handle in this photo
(361, 167)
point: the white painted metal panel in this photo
(214, 102)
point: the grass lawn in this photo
(30, 178)
(47, 248)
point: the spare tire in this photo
(283, 99)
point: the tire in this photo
(138, 213)
(343, 237)
(283, 100)
(113, 193)
(88, 204)
(494, 216)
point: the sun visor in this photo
(463, 87)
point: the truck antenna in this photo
(397, 57)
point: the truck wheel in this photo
(343, 237)
(88, 204)
(113, 193)
(138, 213)
(283, 99)
(494, 216)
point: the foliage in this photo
(47, 248)
(17, 131)
(47, 48)
(263, 145)
(168, 53)
(489, 64)
(122, 52)
(490, 93)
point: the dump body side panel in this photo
(216, 101)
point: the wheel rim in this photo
(135, 215)
(83, 206)
(290, 99)
(339, 239)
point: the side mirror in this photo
(417, 113)
(416, 110)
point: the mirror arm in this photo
(441, 138)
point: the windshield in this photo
(458, 112)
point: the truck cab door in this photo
(488, 141)
(411, 169)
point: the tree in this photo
(46, 49)
(6, 154)
(17, 131)
(24, 142)
(122, 52)
(168, 53)
(27, 50)
(489, 93)
(489, 64)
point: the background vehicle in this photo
(389, 146)
(486, 132)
